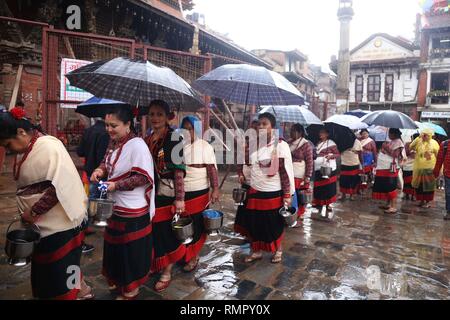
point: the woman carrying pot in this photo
(369, 155)
(272, 187)
(50, 195)
(350, 178)
(303, 163)
(244, 174)
(201, 177)
(128, 168)
(325, 187)
(388, 165)
(166, 147)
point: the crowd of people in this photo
(150, 187)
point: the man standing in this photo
(93, 148)
(443, 158)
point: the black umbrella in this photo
(98, 107)
(342, 136)
(390, 119)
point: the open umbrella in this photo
(389, 119)
(358, 113)
(437, 129)
(249, 85)
(136, 82)
(292, 114)
(342, 136)
(351, 122)
(98, 107)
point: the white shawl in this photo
(50, 161)
(261, 181)
(135, 158)
(198, 153)
(320, 161)
(299, 167)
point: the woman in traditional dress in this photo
(244, 174)
(388, 165)
(423, 181)
(128, 168)
(407, 169)
(369, 155)
(272, 187)
(350, 179)
(325, 188)
(303, 163)
(166, 147)
(201, 178)
(50, 194)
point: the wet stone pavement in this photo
(362, 254)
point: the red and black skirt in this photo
(325, 190)
(349, 180)
(262, 220)
(127, 252)
(299, 188)
(52, 263)
(385, 187)
(407, 187)
(166, 247)
(195, 203)
(424, 196)
(239, 219)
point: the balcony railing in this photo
(440, 53)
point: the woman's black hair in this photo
(161, 103)
(299, 128)
(9, 125)
(325, 130)
(395, 132)
(364, 130)
(124, 114)
(270, 117)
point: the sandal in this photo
(162, 285)
(88, 296)
(254, 257)
(390, 211)
(277, 257)
(124, 297)
(189, 267)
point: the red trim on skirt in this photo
(70, 295)
(164, 214)
(264, 204)
(325, 182)
(317, 202)
(132, 236)
(128, 288)
(59, 253)
(386, 174)
(196, 205)
(194, 249)
(351, 172)
(268, 247)
(384, 195)
(368, 169)
(170, 258)
(349, 191)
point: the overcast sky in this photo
(308, 25)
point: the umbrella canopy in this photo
(135, 82)
(351, 122)
(98, 107)
(342, 136)
(389, 119)
(292, 114)
(378, 133)
(358, 113)
(430, 125)
(249, 85)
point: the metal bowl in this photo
(364, 179)
(239, 195)
(101, 210)
(20, 244)
(183, 229)
(306, 197)
(325, 172)
(212, 225)
(290, 216)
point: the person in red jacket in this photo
(443, 158)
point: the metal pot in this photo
(290, 216)
(364, 179)
(306, 197)
(325, 172)
(212, 224)
(20, 243)
(239, 196)
(183, 229)
(101, 210)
